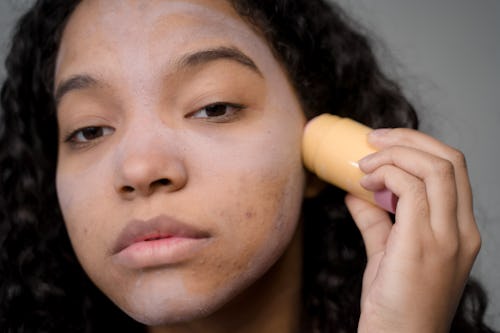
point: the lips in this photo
(158, 241)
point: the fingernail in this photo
(365, 159)
(363, 181)
(387, 200)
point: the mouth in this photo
(157, 242)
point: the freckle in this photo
(249, 214)
(222, 213)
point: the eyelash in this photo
(234, 113)
(100, 131)
(78, 143)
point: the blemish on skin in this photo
(250, 214)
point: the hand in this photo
(417, 268)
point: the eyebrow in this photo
(231, 53)
(83, 81)
(75, 82)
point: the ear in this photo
(314, 185)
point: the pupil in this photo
(92, 133)
(215, 110)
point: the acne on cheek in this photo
(263, 221)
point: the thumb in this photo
(373, 223)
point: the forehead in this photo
(134, 15)
(154, 28)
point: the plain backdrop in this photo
(446, 53)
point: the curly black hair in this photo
(331, 65)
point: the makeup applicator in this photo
(331, 149)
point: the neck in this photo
(271, 305)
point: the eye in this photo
(87, 134)
(218, 112)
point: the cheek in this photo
(270, 217)
(82, 198)
(256, 193)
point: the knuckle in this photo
(457, 158)
(419, 199)
(474, 243)
(417, 188)
(444, 169)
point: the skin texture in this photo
(238, 177)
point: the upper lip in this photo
(159, 227)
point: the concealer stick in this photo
(332, 147)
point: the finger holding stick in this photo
(417, 268)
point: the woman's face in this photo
(179, 172)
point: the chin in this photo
(163, 303)
(165, 315)
(152, 307)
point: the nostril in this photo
(127, 189)
(153, 186)
(161, 182)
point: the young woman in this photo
(152, 178)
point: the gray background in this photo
(447, 55)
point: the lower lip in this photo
(160, 252)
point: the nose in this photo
(145, 166)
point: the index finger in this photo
(418, 140)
